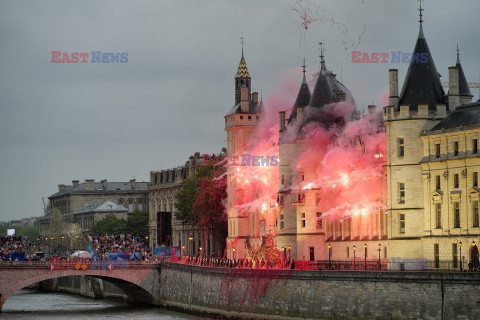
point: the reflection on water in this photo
(29, 304)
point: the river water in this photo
(30, 304)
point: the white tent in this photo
(81, 254)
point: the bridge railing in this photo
(78, 265)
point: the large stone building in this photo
(75, 200)
(433, 164)
(165, 229)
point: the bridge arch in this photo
(140, 285)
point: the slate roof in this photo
(463, 116)
(303, 99)
(107, 206)
(98, 188)
(254, 108)
(422, 83)
(463, 84)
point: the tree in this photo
(185, 198)
(109, 225)
(137, 223)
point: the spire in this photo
(422, 83)
(303, 96)
(463, 87)
(420, 33)
(304, 71)
(322, 58)
(242, 71)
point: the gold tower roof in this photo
(242, 71)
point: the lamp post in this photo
(354, 248)
(201, 252)
(183, 249)
(460, 245)
(379, 251)
(329, 256)
(365, 246)
(233, 253)
(190, 248)
(289, 253)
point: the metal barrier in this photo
(72, 265)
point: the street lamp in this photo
(379, 251)
(201, 252)
(461, 266)
(329, 256)
(233, 253)
(365, 246)
(190, 246)
(289, 253)
(354, 248)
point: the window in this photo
(475, 179)
(456, 214)
(249, 117)
(437, 150)
(475, 214)
(130, 205)
(438, 214)
(241, 117)
(283, 179)
(258, 117)
(455, 180)
(281, 225)
(301, 198)
(348, 252)
(401, 147)
(401, 192)
(454, 255)
(302, 220)
(302, 176)
(402, 223)
(385, 252)
(436, 255)
(312, 254)
(455, 148)
(319, 220)
(475, 146)
(437, 184)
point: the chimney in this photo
(255, 97)
(282, 121)
(244, 103)
(104, 184)
(61, 187)
(393, 99)
(89, 185)
(341, 96)
(299, 116)
(75, 183)
(453, 88)
(372, 108)
(132, 182)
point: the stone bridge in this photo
(139, 280)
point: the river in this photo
(30, 304)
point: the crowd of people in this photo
(15, 244)
(124, 243)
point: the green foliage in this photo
(136, 223)
(31, 232)
(109, 225)
(185, 198)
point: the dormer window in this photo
(437, 150)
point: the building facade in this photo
(433, 164)
(75, 198)
(165, 228)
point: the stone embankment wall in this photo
(295, 294)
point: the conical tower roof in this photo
(303, 97)
(422, 83)
(463, 84)
(242, 71)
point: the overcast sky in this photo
(61, 122)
